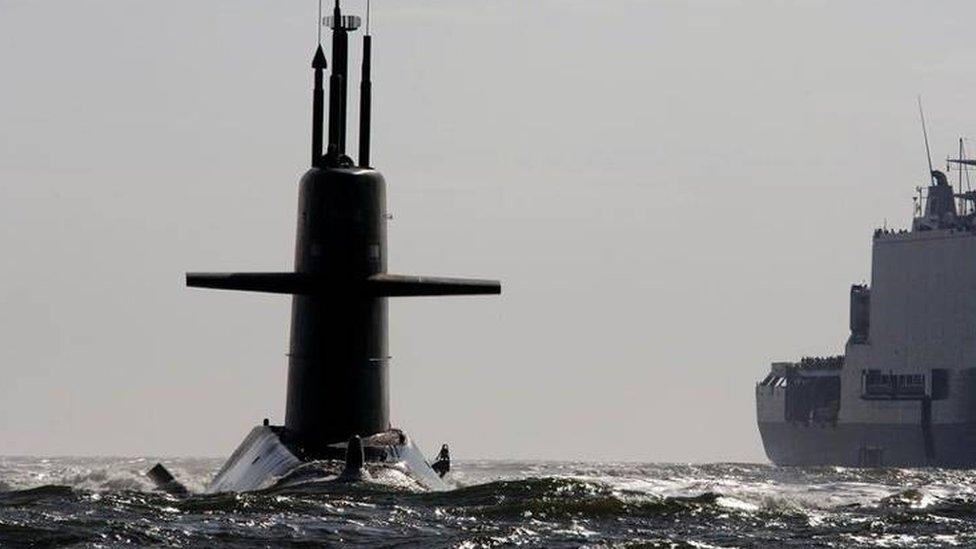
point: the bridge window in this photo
(878, 384)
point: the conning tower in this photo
(338, 358)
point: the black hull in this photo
(869, 445)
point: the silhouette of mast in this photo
(365, 96)
(319, 64)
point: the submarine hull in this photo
(271, 457)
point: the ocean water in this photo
(107, 502)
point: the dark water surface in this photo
(105, 502)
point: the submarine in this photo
(337, 419)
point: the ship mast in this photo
(925, 137)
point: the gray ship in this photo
(903, 394)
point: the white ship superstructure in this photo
(904, 392)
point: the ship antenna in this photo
(319, 64)
(341, 27)
(335, 84)
(964, 167)
(968, 187)
(925, 136)
(365, 96)
(962, 154)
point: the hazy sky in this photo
(673, 193)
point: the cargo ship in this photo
(903, 394)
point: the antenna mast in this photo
(925, 136)
(341, 26)
(968, 187)
(962, 201)
(365, 96)
(319, 64)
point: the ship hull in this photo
(869, 444)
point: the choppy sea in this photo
(107, 502)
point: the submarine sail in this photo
(338, 382)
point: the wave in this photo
(565, 498)
(567, 505)
(575, 490)
(99, 474)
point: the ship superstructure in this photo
(904, 392)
